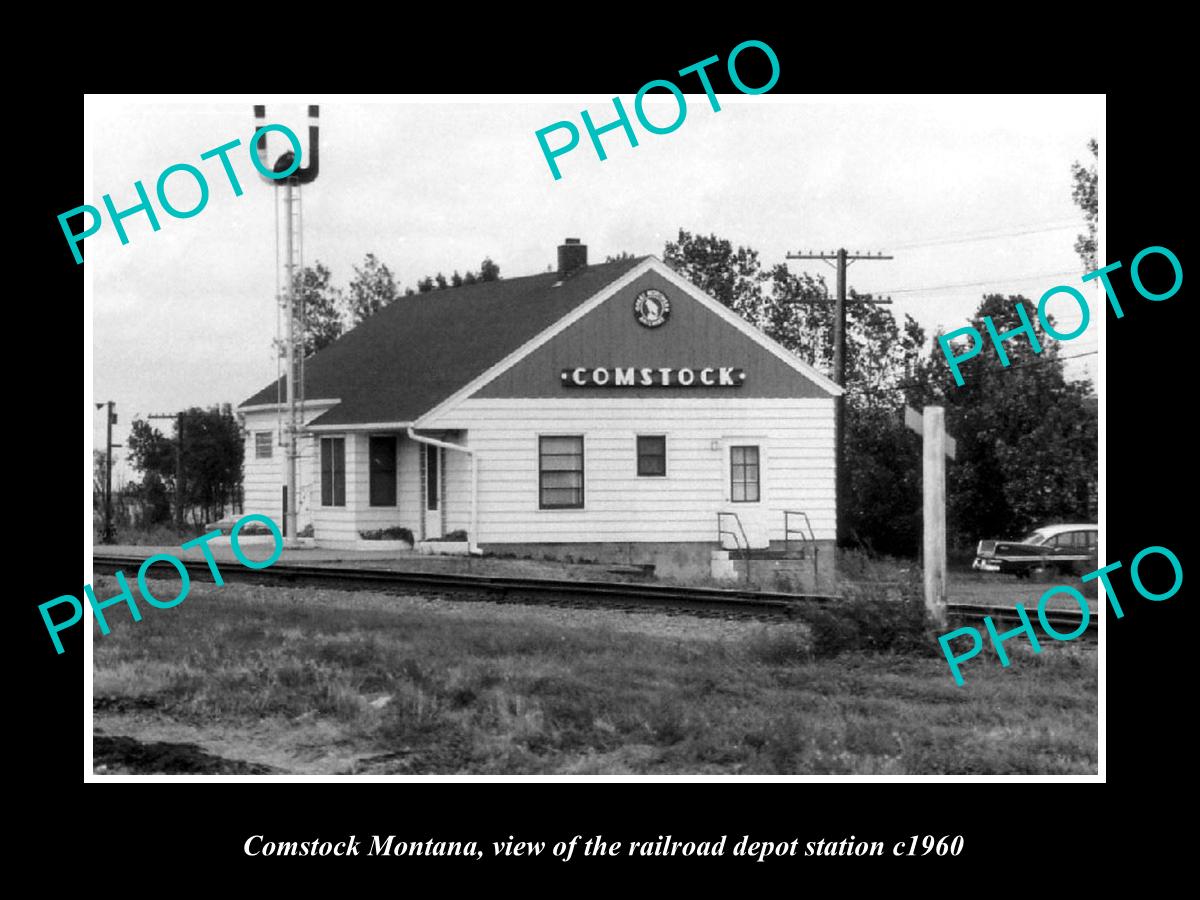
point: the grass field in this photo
(254, 679)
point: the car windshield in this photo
(1036, 538)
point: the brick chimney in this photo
(572, 255)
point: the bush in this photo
(395, 533)
(253, 528)
(153, 535)
(780, 645)
(458, 536)
(867, 619)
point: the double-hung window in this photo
(743, 474)
(333, 471)
(560, 472)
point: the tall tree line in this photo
(1027, 436)
(325, 311)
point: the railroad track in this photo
(1062, 621)
(725, 603)
(729, 603)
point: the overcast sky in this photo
(961, 190)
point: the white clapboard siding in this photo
(373, 518)
(458, 487)
(796, 440)
(263, 479)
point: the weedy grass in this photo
(427, 687)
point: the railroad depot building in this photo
(611, 412)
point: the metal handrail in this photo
(788, 530)
(810, 538)
(744, 545)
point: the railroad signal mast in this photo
(289, 337)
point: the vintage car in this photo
(1053, 550)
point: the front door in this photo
(434, 477)
(746, 489)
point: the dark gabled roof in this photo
(419, 350)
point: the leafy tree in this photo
(731, 276)
(318, 305)
(98, 472)
(882, 462)
(488, 271)
(152, 497)
(623, 255)
(1027, 446)
(372, 288)
(149, 449)
(211, 463)
(1086, 195)
(153, 455)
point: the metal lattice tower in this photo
(290, 334)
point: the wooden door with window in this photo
(745, 461)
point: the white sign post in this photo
(936, 446)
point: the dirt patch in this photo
(122, 755)
(123, 704)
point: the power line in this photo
(1039, 362)
(913, 382)
(938, 287)
(1061, 225)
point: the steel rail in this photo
(629, 596)
(504, 588)
(1063, 621)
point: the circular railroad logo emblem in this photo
(651, 308)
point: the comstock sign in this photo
(667, 376)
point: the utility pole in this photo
(111, 419)
(178, 417)
(844, 259)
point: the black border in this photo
(1010, 828)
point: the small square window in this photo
(652, 455)
(263, 442)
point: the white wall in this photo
(339, 525)
(796, 438)
(263, 479)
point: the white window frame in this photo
(537, 470)
(270, 435)
(764, 482)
